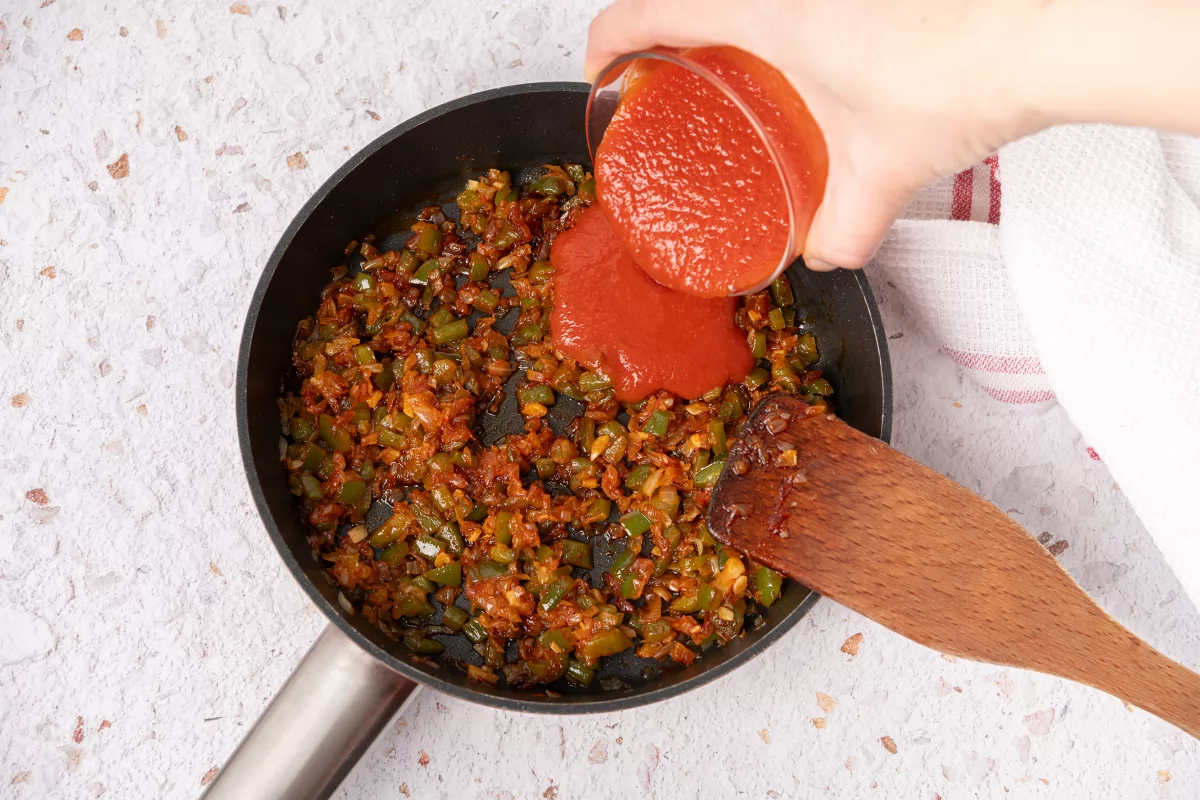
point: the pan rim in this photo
(542, 704)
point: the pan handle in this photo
(318, 726)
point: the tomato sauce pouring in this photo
(702, 197)
(609, 315)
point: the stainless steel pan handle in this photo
(318, 726)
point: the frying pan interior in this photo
(427, 159)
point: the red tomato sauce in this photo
(610, 316)
(691, 188)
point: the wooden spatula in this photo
(874, 530)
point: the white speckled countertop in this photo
(150, 156)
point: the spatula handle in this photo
(1144, 677)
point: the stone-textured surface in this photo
(148, 161)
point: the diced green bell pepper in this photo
(577, 554)
(423, 646)
(454, 617)
(605, 643)
(580, 673)
(767, 582)
(708, 476)
(335, 436)
(554, 593)
(635, 522)
(351, 492)
(656, 424)
(448, 575)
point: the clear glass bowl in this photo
(615, 79)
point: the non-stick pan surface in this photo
(515, 128)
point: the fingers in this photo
(630, 25)
(859, 206)
(852, 220)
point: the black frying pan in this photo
(417, 162)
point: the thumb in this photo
(853, 219)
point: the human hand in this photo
(905, 91)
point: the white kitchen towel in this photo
(945, 256)
(1069, 266)
(952, 275)
(1102, 245)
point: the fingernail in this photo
(817, 265)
